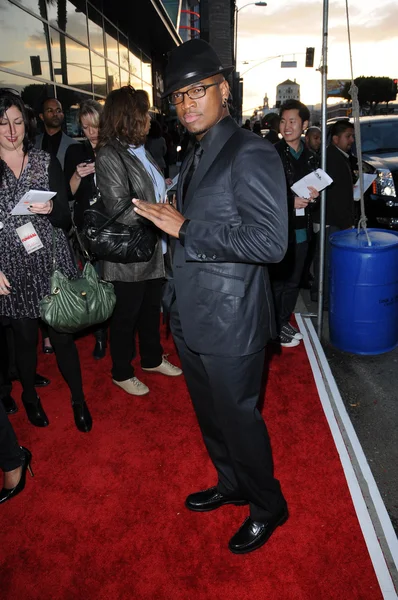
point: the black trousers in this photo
(137, 310)
(225, 392)
(10, 452)
(285, 281)
(25, 333)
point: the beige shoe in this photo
(133, 386)
(165, 368)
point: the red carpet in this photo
(104, 516)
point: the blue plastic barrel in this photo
(363, 303)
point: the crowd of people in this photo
(229, 259)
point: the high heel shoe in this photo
(36, 414)
(82, 416)
(7, 494)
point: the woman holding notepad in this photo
(26, 255)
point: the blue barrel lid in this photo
(381, 239)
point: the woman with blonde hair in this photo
(80, 174)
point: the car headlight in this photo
(384, 183)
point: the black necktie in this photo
(197, 155)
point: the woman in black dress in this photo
(79, 172)
(25, 276)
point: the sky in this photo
(288, 27)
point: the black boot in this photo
(82, 416)
(101, 337)
(35, 412)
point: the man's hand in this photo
(164, 216)
(301, 202)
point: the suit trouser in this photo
(225, 392)
(10, 452)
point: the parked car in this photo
(379, 137)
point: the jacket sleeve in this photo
(60, 215)
(112, 182)
(259, 191)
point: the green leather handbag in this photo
(75, 304)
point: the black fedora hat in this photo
(191, 62)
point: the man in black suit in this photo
(230, 222)
(339, 195)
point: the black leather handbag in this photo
(107, 239)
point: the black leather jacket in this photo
(121, 177)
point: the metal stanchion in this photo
(324, 71)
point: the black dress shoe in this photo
(253, 535)
(82, 416)
(36, 414)
(99, 349)
(7, 494)
(9, 405)
(47, 349)
(41, 381)
(210, 500)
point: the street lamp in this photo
(236, 25)
(236, 78)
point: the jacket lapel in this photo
(207, 160)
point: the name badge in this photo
(28, 236)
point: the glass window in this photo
(124, 77)
(71, 62)
(95, 30)
(148, 88)
(32, 92)
(69, 17)
(70, 100)
(112, 51)
(146, 69)
(123, 52)
(136, 82)
(99, 75)
(37, 7)
(23, 45)
(113, 76)
(135, 63)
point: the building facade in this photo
(76, 49)
(287, 90)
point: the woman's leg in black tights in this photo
(25, 338)
(10, 452)
(68, 362)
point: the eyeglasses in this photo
(194, 93)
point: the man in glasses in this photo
(230, 222)
(53, 140)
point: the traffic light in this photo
(35, 65)
(309, 57)
(395, 86)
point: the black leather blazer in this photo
(121, 177)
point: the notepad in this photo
(318, 179)
(31, 197)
